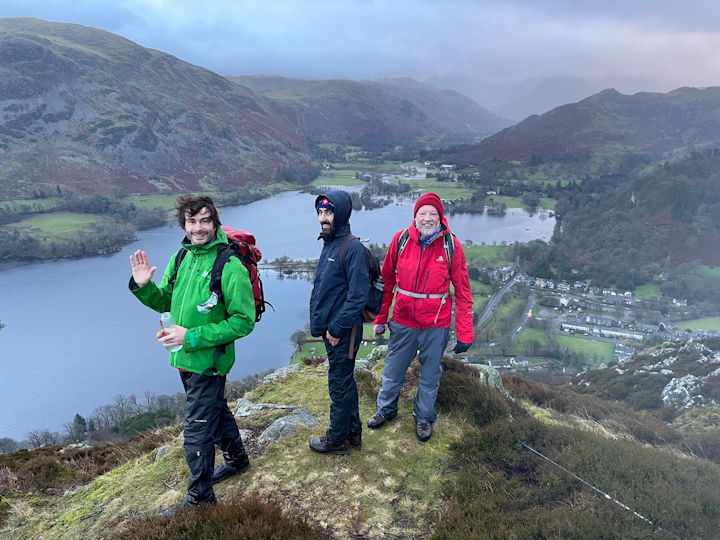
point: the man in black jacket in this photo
(338, 297)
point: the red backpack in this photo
(241, 245)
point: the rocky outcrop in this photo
(678, 376)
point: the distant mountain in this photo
(386, 110)
(518, 100)
(608, 125)
(92, 112)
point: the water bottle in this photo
(166, 321)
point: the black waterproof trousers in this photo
(344, 408)
(208, 422)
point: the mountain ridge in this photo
(403, 108)
(610, 124)
(113, 117)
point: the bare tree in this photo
(42, 437)
(150, 401)
(8, 445)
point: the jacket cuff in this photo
(336, 331)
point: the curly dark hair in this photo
(189, 205)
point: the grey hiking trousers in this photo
(406, 343)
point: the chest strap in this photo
(422, 295)
(411, 294)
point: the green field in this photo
(165, 200)
(707, 323)
(487, 255)
(31, 205)
(58, 224)
(647, 291)
(528, 335)
(337, 177)
(601, 351)
(709, 271)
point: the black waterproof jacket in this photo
(339, 295)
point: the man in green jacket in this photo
(205, 329)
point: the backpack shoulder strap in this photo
(224, 252)
(343, 251)
(449, 240)
(179, 256)
(402, 241)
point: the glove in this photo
(461, 347)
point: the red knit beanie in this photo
(433, 199)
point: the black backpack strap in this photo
(224, 252)
(179, 256)
(449, 240)
(402, 241)
(343, 251)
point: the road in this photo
(494, 302)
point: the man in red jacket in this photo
(421, 263)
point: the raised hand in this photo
(142, 272)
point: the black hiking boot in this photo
(325, 445)
(190, 503)
(225, 470)
(355, 440)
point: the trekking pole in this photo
(601, 492)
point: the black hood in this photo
(343, 208)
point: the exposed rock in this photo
(287, 425)
(683, 393)
(490, 376)
(282, 372)
(163, 451)
(377, 354)
(245, 407)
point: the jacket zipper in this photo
(417, 280)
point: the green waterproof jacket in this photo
(222, 324)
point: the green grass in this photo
(487, 255)
(647, 291)
(165, 200)
(527, 335)
(709, 271)
(338, 178)
(31, 205)
(58, 224)
(449, 191)
(548, 203)
(319, 346)
(601, 351)
(706, 323)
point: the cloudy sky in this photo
(492, 42)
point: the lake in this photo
(75, 337)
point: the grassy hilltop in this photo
(474, 479)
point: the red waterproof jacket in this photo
(424, 270)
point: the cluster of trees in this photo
(297, 175)
(106, 238)
(124, 418)
(140, 218)
(642, 225)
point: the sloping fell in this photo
(609, 125)
(374, 112)
(85, 110)
(490, 470)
